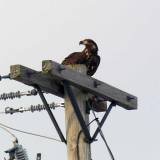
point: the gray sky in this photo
(128, 36)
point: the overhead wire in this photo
(2, 112)
(18, 94)
(78, 137)
(4, 128)
(29, 133)
(103, 137)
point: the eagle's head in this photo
(90, 44)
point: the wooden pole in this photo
(77, 148)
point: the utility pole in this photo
(72, 84)
(77, 147)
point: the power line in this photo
(2, 112)
(8, 132)
(78, 137)
(103, 137)
(29, 133)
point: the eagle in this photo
(88, 56)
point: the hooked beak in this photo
(81, 42)
(84, 42)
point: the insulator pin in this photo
(17, 152)
(20, 153)
(18, 94)
(5, 77)
(32, 108)
(10, 95)
(41, 107)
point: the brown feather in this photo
(92, 64)
(88, 57)
(75, 58)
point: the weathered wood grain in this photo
(31, 77)
(76, 147)
(89, 84)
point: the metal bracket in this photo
(83, 125)
(5, 77)
(50, 114)
(103, 120)
(74, 103)
(75, 106)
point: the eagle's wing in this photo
(93, 64)
(74, 58)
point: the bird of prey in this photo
(89, 57)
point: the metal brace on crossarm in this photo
(79, 116)
(103, 120)
(50, 113)
(77, 111)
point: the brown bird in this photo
(89, 56)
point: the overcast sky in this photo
(128, 35)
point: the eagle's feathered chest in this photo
(85, 57)
(87, 53)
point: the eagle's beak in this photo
(81, 42)
(84, 42)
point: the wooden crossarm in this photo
(89, 84)
(31, 77)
